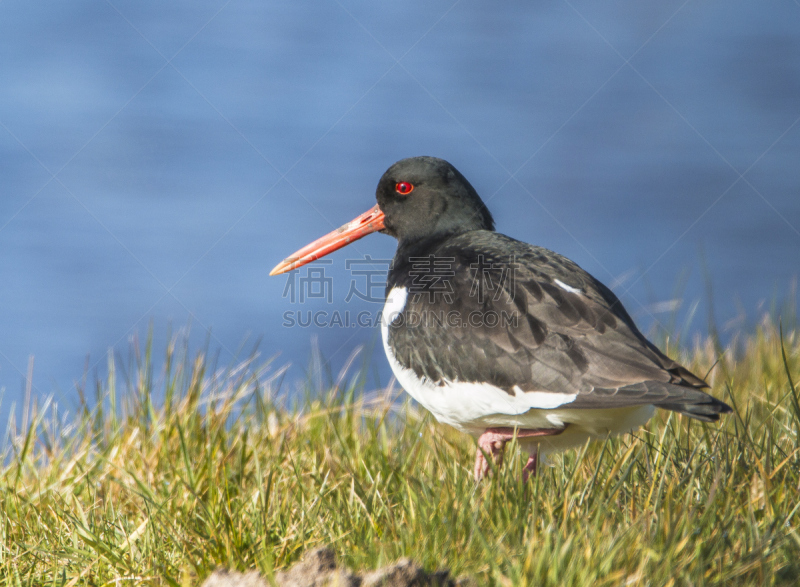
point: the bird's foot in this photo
(530, 468)
(493, 442)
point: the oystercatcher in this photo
(502, 339)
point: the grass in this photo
(219, 472)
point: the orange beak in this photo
(370, 221)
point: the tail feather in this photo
(707, 411)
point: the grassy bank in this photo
(217, 472)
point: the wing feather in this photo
(542, 337)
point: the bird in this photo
(502, 339)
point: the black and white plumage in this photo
(500, 338)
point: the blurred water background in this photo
(158, 159)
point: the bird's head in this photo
(424, 196)
(419, 197)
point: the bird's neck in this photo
(420, 255)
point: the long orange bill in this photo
(370, 221)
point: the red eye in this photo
(403, 188)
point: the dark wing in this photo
(525, 319)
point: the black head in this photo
(419, 200)
(424, 197)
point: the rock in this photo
(404, 573)
(226, 578)
(319, 569)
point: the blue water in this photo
(156, 161)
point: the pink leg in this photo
(493, 442)
(530, 468)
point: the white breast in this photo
(465, 405)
